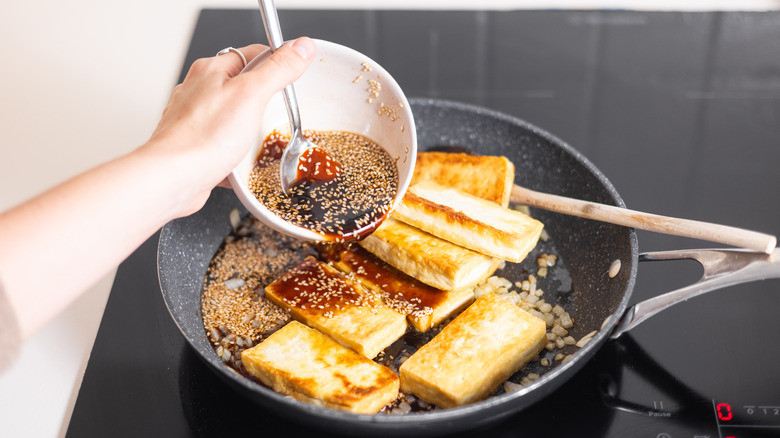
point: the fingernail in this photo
(305, 47)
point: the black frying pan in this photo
(543, 163)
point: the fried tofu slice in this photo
(481, 348)
(424, 306)
(321, 297)
(469, 221)
(486, 177)
(431, 260)
(303, 363)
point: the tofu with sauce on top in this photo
(424, 306)
(323, 298)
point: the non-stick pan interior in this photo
(542, 162)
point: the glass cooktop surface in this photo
(681, 111)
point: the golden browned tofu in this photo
(424, 306)
(323, 298)
(469, 221)
(481, 348)
(303, 363)
(429, 259)
(486, 177)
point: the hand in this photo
(81, 229)
(213, 115)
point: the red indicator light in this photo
(724, 412)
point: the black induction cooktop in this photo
(681, 111)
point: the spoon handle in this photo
(646, 221)
(273, 30)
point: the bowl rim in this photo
(262, 213)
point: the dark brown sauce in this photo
(317, 166)
(312, 288)
(348, 204)
(272, 150)
(366, 267)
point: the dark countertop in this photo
(681, 111)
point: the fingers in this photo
(232, 63)
(252, 50)
(283, 67)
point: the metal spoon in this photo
(298, 144)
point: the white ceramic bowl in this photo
(334, 95)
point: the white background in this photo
(84, 81)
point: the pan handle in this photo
(722, 268)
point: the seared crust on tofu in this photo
(323, 298)
(424, 306)
(303, 363)
(433, 261)
(481, 348)
(469, 221)
(486, 177)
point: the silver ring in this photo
(234, 50)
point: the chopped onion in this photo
(235, 218)
(234, 283)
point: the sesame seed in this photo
(352, 203)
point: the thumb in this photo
(283, 67)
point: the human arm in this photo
(56, 245)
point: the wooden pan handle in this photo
(646, 221)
